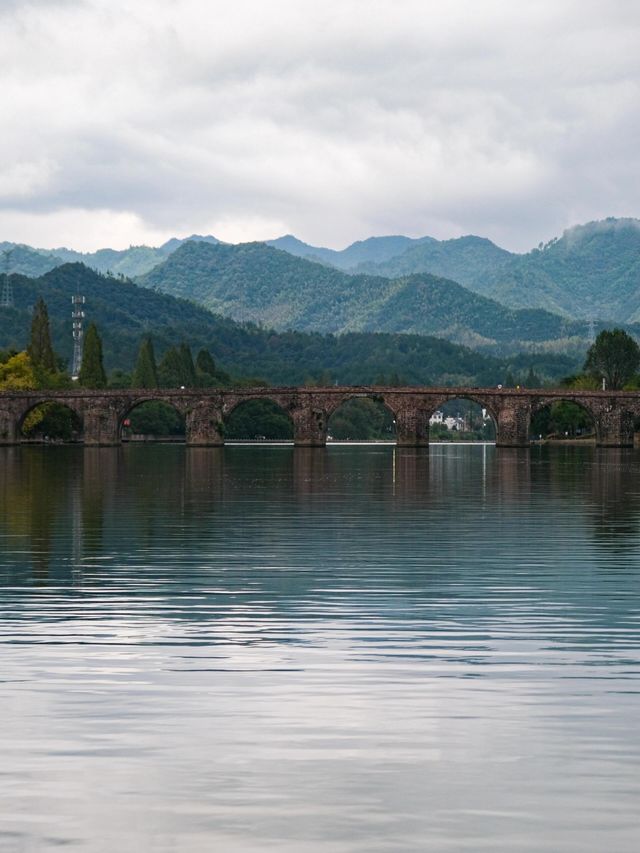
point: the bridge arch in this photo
(257, 418)
(563, 417)
(153, 416)
(362, 417)
(476, 417)
(52, 419)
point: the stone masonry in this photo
(103, 412)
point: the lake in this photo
(343, 650)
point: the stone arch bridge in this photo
(103, 412)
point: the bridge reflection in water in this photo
(103, 413)
(157, 488)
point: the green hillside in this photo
(254, 282)
(125, 312)
(374, 250)
(593, 270)
(464, 260)
(131, 262)
(24, 260)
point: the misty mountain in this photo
(593, 270)
(131, 262)
(125, 312)
(374, 250)
(24, 260)
(257, 283)
(464, 260)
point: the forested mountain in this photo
(130, 262)
(374, 250)
(255, 282)
(125, 312)
(464, 260)
(24, 260)
(593, 270)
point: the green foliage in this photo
(615, 356)
(171, 369)
(362, 419)
(92, 373)
(176, 369)
(371, 251)
(40, 349)
(119, 379)
(145, 374)
(463, 259)
(205, 365)
(258, 419)
(255, 282)
(188, 367)
(16, 372)
(563, 419)
(590, 272)
(125, 313)
(27, 261)
(52, 421)
(207, 374)
(156, 418)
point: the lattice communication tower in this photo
(6, 301)
(78, 334)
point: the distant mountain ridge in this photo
(131, 262)
(374, 250)
(258, 283)
(463, 259)
(125, 312)
(591, 272)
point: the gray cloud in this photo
(130, 122)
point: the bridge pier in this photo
(101, 427)
(614, 427)
(309, 427)
(204, 426)
(8, 428)
(412, 427)
(512, 423)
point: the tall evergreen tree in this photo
(92, 373)
(145, 374)
(205, 363)
(171, 369)
(40, 349)
(188, 367)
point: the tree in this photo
(532, 380)
(17, 374)
(188, 367)
(205, 363)
(40, 349)
(171, 369)
(92, 373)
(145, 374)
(614, 356)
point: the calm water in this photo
(358, 649)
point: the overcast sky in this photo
(130, 122)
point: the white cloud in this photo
(333, 121)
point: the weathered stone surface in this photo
(102, 412)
